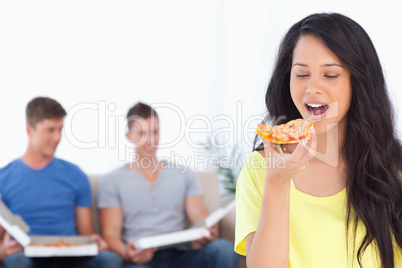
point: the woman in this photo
(336, 201)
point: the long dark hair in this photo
(371, 150)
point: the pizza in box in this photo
(59, 244)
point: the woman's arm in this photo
(268, 246)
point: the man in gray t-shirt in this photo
(149, 197)
(149, 209)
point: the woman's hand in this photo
(268, 246)
(281, 167)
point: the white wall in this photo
(194, 60)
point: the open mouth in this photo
(316, 109)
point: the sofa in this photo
(212, 198)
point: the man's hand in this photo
(9, 246)
(102, 245)
(207, 239)
(139, 256)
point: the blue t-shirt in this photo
(47, 198)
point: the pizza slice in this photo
(291, 132)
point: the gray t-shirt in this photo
(149, 210)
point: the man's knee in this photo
(18, 260)
(222, 251)
(220, 246)
(108, 259)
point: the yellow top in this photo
(316, 224)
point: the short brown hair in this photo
(41, 108)
(139, 110)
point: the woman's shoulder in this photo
(254, 162)
(256, 155)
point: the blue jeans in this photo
(217, 254)
(105, 259)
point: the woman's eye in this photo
(331, 76)
(302, 75)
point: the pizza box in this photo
(197, 231)
(77, 246)
(35, 246)
(171, 239)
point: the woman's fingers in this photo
(287, 165)
(268, 146)
(306, 148)
(311, 146)
(271, 150)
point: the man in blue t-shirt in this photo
(53, 196)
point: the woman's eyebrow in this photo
(331, 64)
(300, 64)
(323, 65)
